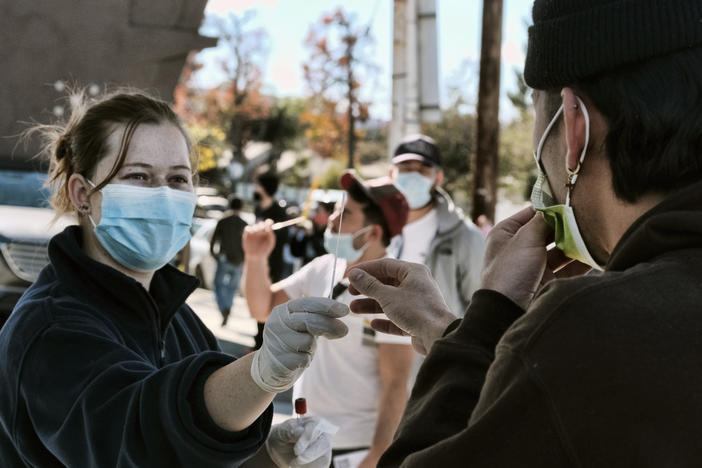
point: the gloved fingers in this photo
(289, 339)
(317, 447)
(318, 305)
(317, 430)
(289, 431)
(316, 325)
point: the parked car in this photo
(26, 225)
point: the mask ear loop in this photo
(537, 155)
(573, 174)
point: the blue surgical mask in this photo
(142, 228)
(345, 248)
(415, 187)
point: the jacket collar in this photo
(673, 224)
(106, 286)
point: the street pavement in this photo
(236, 337)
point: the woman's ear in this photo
(79, 193)
(575, 128)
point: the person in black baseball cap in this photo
(435, 224)
(550, 367)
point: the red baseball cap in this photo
(383, 192)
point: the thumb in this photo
(363, 283)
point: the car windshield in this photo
(21, 188)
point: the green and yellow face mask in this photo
(561, 217)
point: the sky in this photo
(458, 26)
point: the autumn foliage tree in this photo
(337, 65)
(227, 116)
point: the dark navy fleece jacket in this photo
(96, 371)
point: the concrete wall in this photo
(141, 43)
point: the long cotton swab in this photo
(341, 220)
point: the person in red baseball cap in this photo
(359, 382)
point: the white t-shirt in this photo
(342, 384)
(417, 237)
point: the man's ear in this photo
(574, 126)
(439, 177)
(376, 233)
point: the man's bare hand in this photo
(517, 263)
(258, 240)
(407, 294)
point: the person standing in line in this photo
(359, 383)
(437, 234)
(225, 246)
(267, 207)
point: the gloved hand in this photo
(289, 340)
(301, 442)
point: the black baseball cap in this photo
(418, 148)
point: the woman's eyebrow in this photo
(149, 166)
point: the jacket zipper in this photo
(160, 334)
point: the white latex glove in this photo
(289, 340)
(301, 443)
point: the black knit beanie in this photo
(572, 40)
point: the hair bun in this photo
(63, 146)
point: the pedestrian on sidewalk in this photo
(225, 246)
(358, 383)
(267, 207)
(551, 367)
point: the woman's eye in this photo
(179, 180)
(136, 176)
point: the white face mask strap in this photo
(550, 125)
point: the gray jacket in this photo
(455, 255)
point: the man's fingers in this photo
(388, 271)
(386, 326)
(512, 224)
(365, 306)
(370, 278)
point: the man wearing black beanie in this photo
(550, 367)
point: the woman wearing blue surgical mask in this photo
(103, 362)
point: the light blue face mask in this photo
(143, 228)
(415, 187)
(345, 248)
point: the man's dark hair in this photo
(328, 207)
(235, 203)
(269, 182)
(371, 211)
(654, 114)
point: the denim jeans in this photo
(226, 283)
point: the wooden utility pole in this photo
(488, 131)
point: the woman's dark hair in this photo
(78, 145)
(654, 114)
(371, 211)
